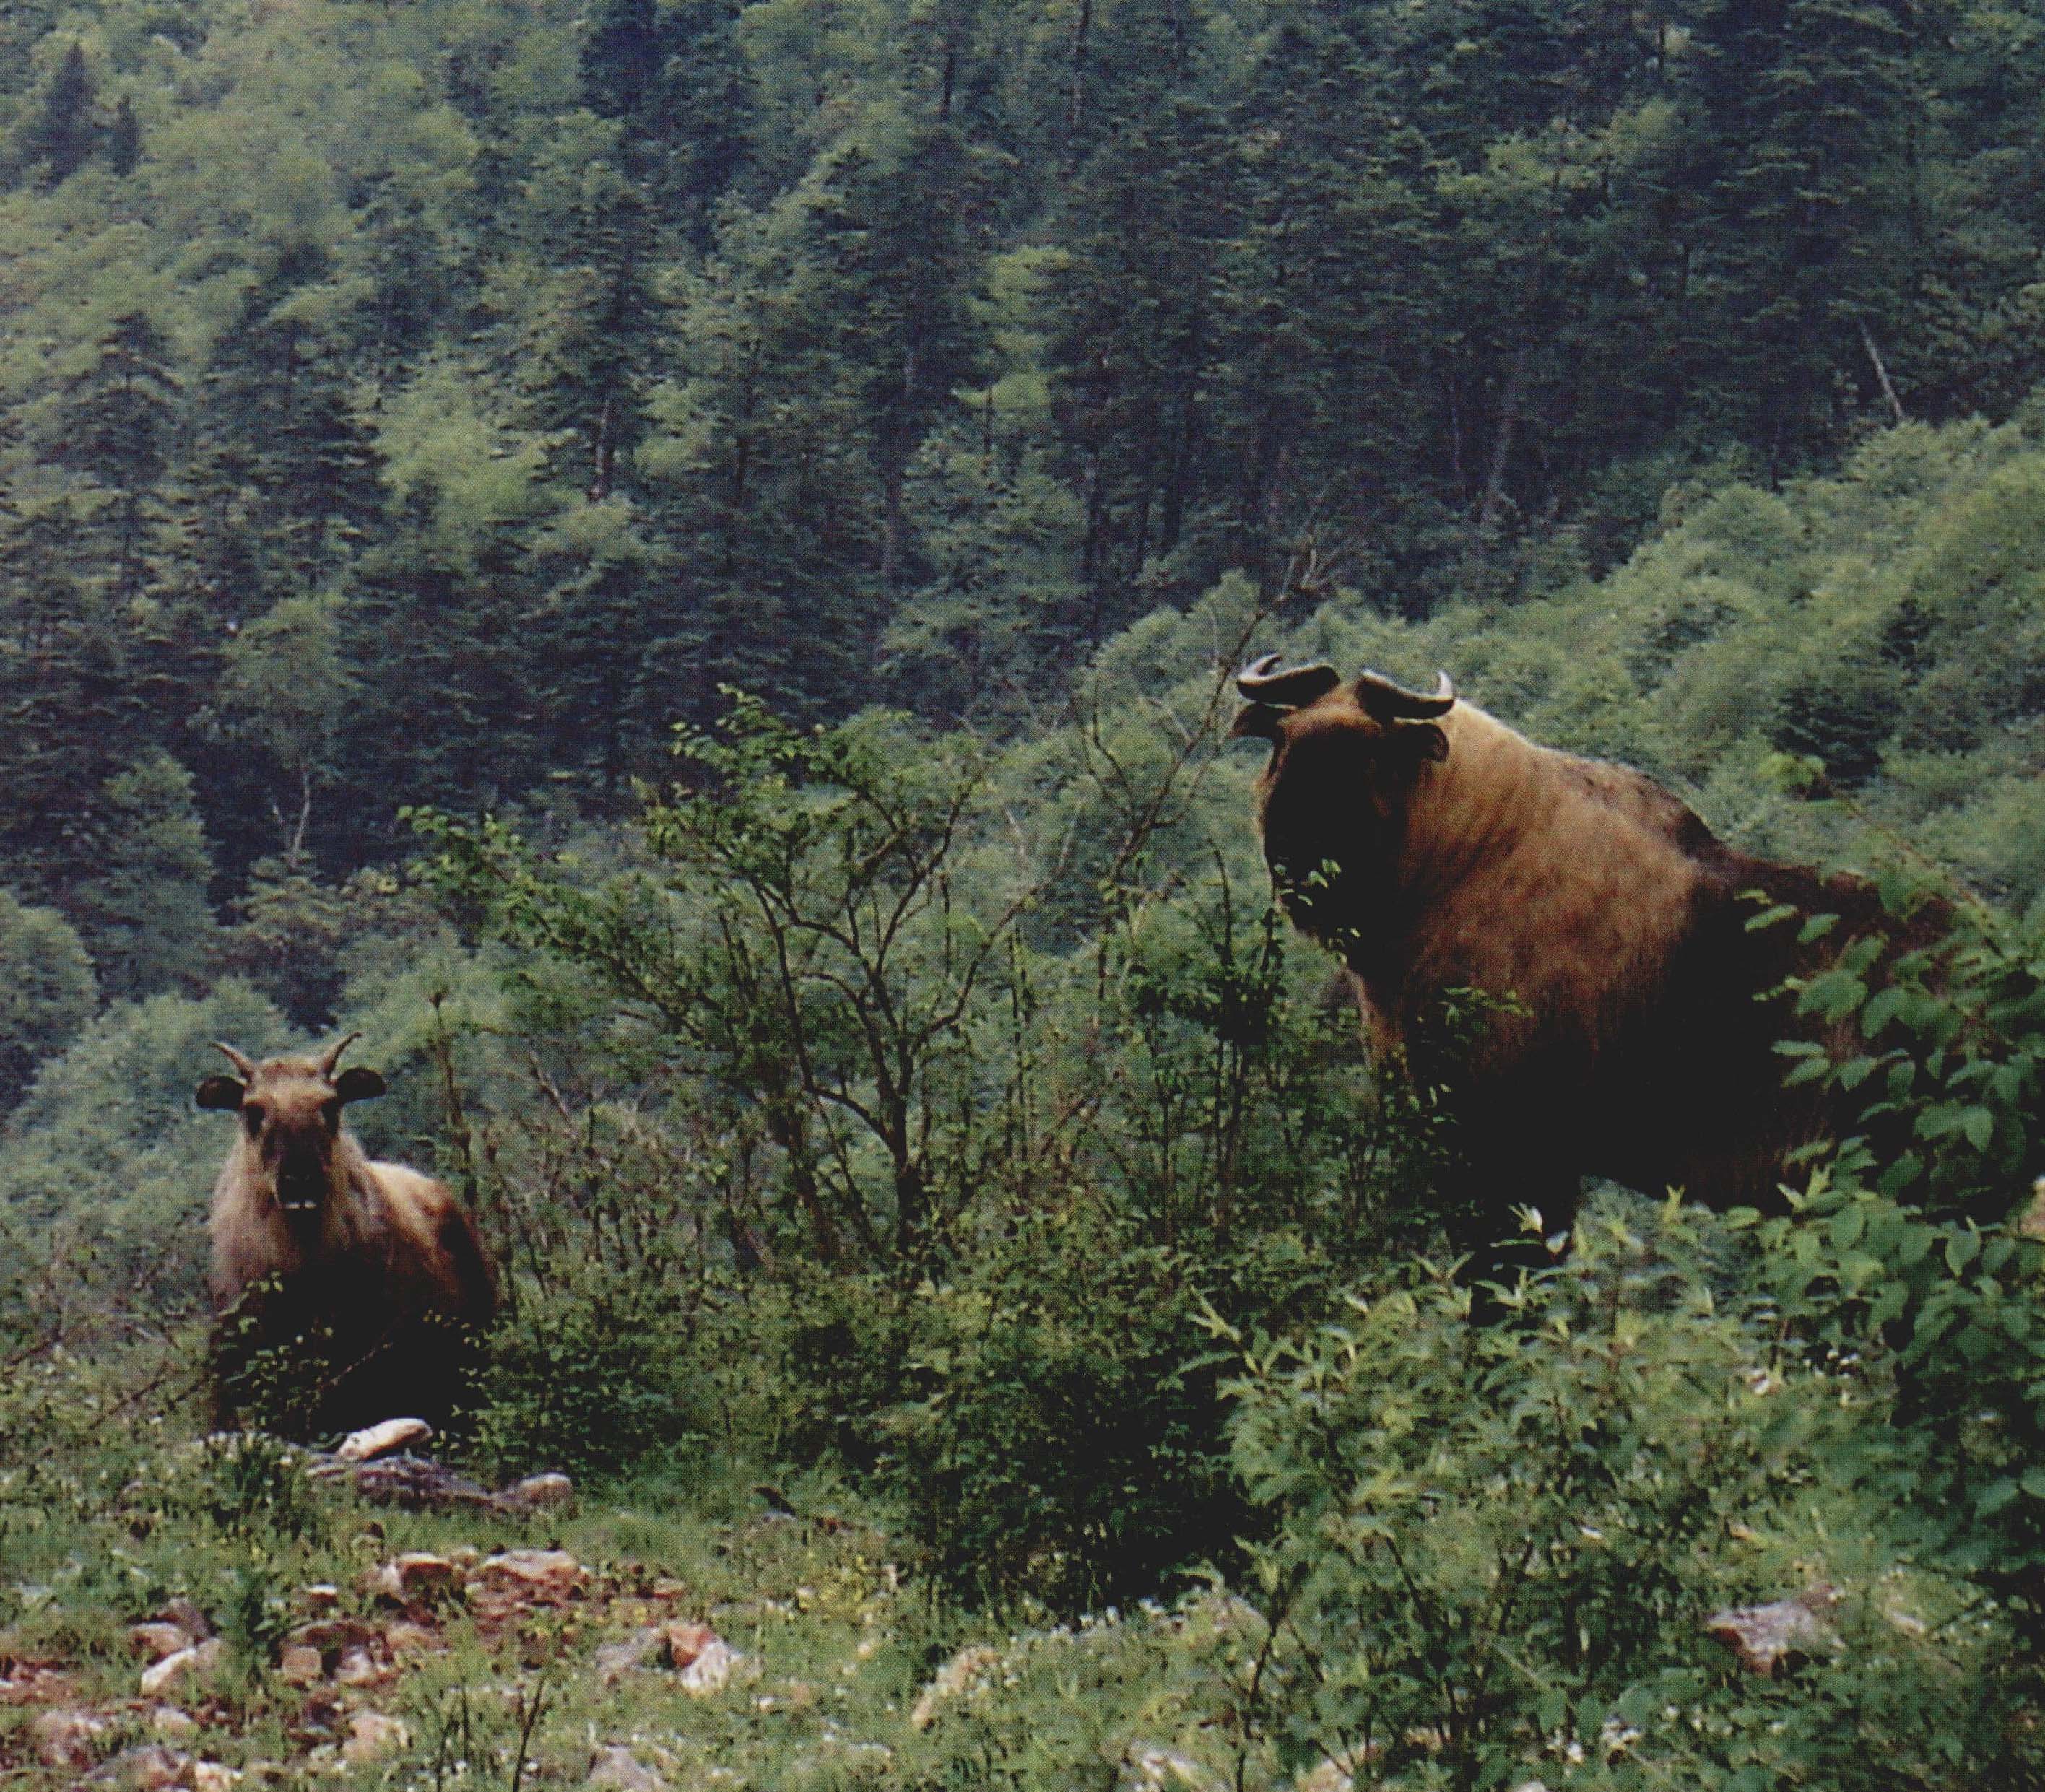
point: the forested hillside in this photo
(434, 403)
(677, 564)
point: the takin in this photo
(1636, 1011)
(344, 1290)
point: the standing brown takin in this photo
(344, 1291)
(1436, 850)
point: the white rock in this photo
(381, 1440)
(200, 1659)
(373, 1736)
(619, 1768)
(711, 1670)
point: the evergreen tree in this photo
(119, 422)
(124, 139)
(142, 908)
(1132, 341)
(60, 138)
(1805, 117)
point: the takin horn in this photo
(1388, 702)
(333, 1055)
(240, 1060)
(1302, 684)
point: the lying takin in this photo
(344, 1291)
(1436, 850)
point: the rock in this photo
(614, 1660)
(198, 1660)
(171, 1724)
(321, 1597)
(188, 1618)
(1764, 1637)
(151, 1642)
(330, 1634)
(710, 1670)
(539, 1574)
(358, 1667)
(381, 1440)
(210, 1776)
(956, 1676)
(417, 1482)
(539, 1493)
(372, 1735)
(147, 1769)
(404, 1637)
(617, 1768)
(683, 1643)
(416, 1575)
(300, 1664)
(67, 1738)
(29, 1682)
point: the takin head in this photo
(1331, 805)
(291, 1153)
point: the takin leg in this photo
(1482, 1203)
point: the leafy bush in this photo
(47, 991)
(107, 1166)
(964, 1183)
(1512, 1551)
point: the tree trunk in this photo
(1491, 511)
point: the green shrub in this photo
(47, 991)
(1501, 1551)
(590, 1372)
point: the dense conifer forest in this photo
(677, 562)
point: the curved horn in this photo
(1302, 684)
(333, 1054)
(1388, 702)
(238, 1060)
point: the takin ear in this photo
(1421, 740)
(220, 1092)
(1261, 720)
(356, 1084)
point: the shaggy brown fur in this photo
(367, 1277)
(1436, 849)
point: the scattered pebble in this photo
(67, 1738)
(151, 1642)
(372, 1737)
(147, 1769)
(617, 1767)
(199, 1660)
(614, 1660)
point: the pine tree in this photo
(1803, 119)
(124, 139)
(120, 418)
(60, 139)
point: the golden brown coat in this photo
(1438, 850)
(363, 1283)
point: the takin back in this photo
(344, 1291)
(1436, 850)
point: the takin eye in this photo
(252, 1117)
